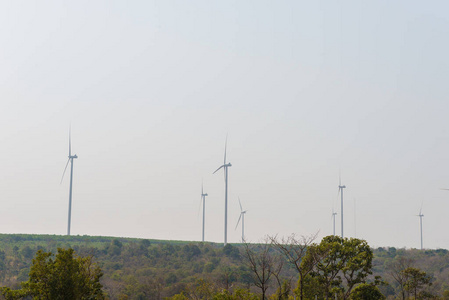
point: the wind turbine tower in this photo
(420, 223)
(333, 218)
(242, 216)
(225, 167)
(203, 198)
(70, 160)
(340, 190)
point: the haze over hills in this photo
(151, 89)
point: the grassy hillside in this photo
(154, 269)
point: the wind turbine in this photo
(420, 222)
(225, 167)
(333, 218)
(242, 216)
(71, 157)
(355, 220)
(340, 191)
(203, 198)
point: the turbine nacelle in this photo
(73, 156)
(223, 166)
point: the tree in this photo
(283, 291)
(64, 276)
(366, 291)
(260, 261)
(239, 294)
(340, 263)
(396, 270)
(416, 280)
(294, 251)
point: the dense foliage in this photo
(151, 269)
(61, 276)
(340, 264)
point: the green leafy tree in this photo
(341, 264)
(417, 280)
(311, 287)
(366, 291)
(239, 294)
(282, 292)
(64, 276)
(244, 294)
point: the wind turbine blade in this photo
(65, 170)
(202, 188)
(241, 209)
(238, 221)
(445, 189)
(199, 207)
(218, 169)
(70, 140)
(339, 177)
(226, 143)
(420, 210)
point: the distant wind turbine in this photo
(355, 220)
(242, 216)
(420, 223)
(225, 167)
(340, 191)
(71, 157)
(203, 198)
(333, 218)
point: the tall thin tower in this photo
(71, 157)
(203, 197)
(420, 225)
(355, 220)
(225, 167)
(340, 190)
(333, 219)
(242, 217)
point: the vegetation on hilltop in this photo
(61, 276)
(151, 269)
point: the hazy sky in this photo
(302, 88)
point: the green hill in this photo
(155, 269)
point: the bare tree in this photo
(260, 261)
(294, 250)
(275, 270)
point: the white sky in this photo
(302, 88)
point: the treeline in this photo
(152, 269)
(133, 268)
